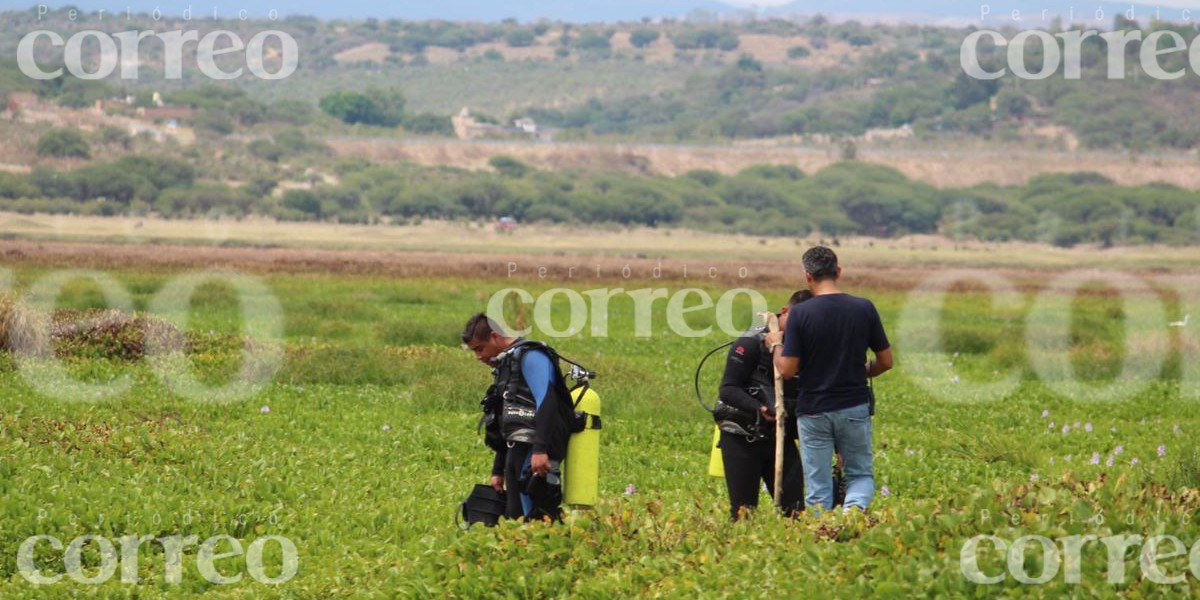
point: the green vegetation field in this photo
(363, 443)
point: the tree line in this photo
(847, 198)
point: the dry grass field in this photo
(553, 253)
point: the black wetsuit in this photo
(747, 385)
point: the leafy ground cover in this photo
(362, 443)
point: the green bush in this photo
(592, 40)
(384, 108)
(520, 38)
(642, 37)
(429, 124)
(705, 39)
(207, 200)
(16, 186)
(213, 121)
(302, 201)
(508, 166)
(63, 143)
(859, 40)
(115, 136)
(82, 93)
(266, 150)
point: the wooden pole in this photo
(780, 418)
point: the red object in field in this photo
(506, 224)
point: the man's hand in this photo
(773, 338)
(766, 413)
(882, 363)
(539, 464)
(771, 320)
(498, 483)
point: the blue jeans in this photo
(848, 432)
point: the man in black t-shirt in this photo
(826, 343)
(747, 423)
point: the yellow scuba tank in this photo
(581, 474)
(716, 466)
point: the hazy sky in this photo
(359, 7)
(917, 5)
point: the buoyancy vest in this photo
(520, 416)
(762, 387)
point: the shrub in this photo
(115, 136)
(214, 121)
(20, 327)
(860, 40)
(796, 52)
(429, 124)
(508, 166)
(302, 201)
(92, 333)
(110, 334)
(521, 38)
(694, 39)
(375, 107)
(16, 186)
(265, 150)
(640, 38)
(593, 40)
(63, 143)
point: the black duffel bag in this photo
(484, 505)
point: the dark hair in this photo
(479, 328)
(799, 296)
(821, 263)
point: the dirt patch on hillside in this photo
(439, 56)
(774, 49)
(369, 52)
(7, 168)
(769, 48)
(661, 51)
(511, 53)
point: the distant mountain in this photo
(1000, 12)
(573, 11)
(946, 12)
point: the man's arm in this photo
(498, 471)
(882, 363)
(787, 366)
(880, 346)
(538, 374)
(740, 364)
